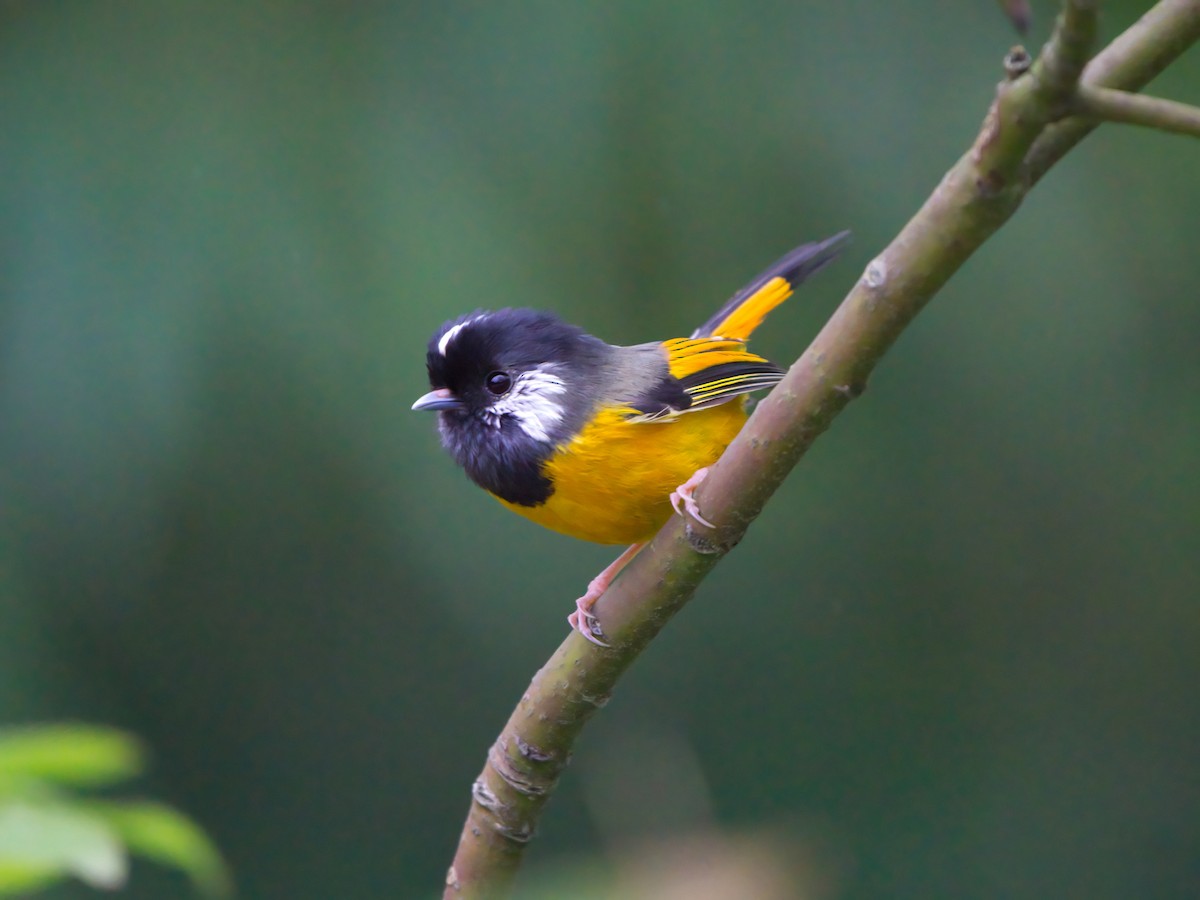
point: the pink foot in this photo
(683, 502)
(583, 620)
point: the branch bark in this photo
(1029, 127)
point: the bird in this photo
(599, 441)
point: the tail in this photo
(748, 307)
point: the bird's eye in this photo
(499, 383)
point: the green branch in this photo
(1023, 134)
(1108, 105)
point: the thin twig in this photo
(1109, 105)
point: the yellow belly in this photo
(613, 481)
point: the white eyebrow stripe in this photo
(452, 333)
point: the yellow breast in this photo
(613, 481)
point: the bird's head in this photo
(510, 385)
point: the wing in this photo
(702, 372)
(746, 309)
(713, 370)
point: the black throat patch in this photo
(503, 460)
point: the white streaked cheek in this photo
(532, 403)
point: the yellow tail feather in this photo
(749, 314)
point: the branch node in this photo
(528, 784)
(532, 752)
(518, 835)
(1017, 62)
(483, 795)
(703, 545)
(597, 700)
(876, 274)
(518, 832)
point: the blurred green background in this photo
(956, 657)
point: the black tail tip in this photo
(811, 258)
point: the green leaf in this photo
(24, 878)
(79, 755)
(160, 833)
(39, 843)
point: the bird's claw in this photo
(583, 621)
(684, 502)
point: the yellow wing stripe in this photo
(722, 385)
(687, 356)
(749, 314)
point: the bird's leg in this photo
(683, 502)
(582, 619)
